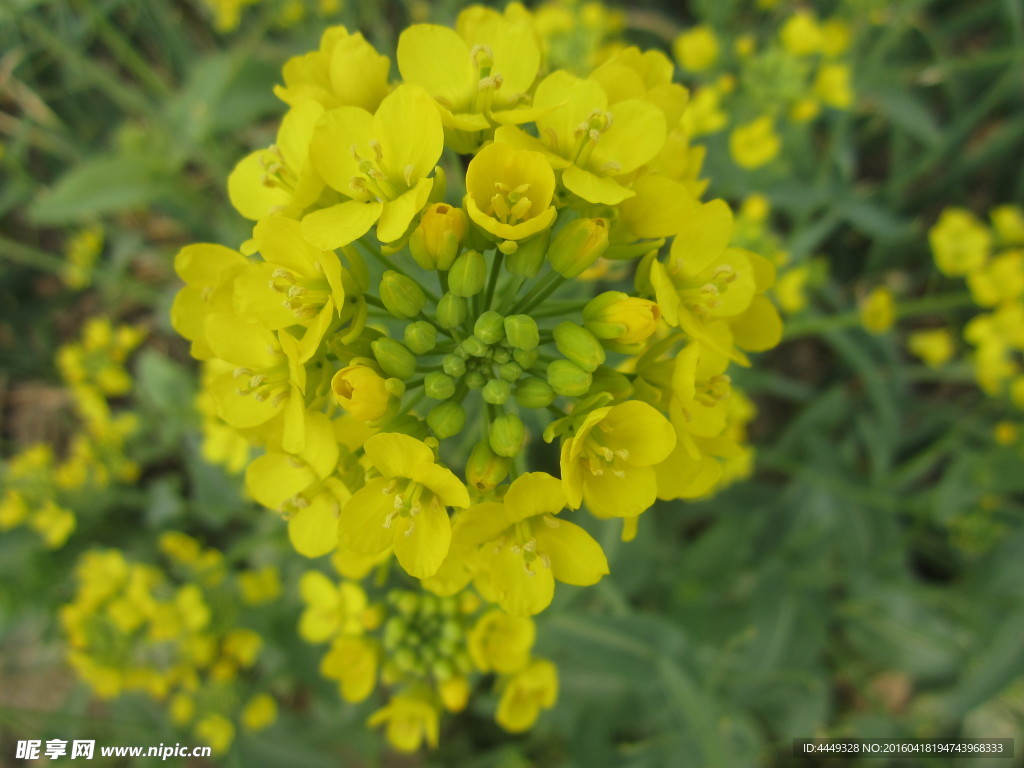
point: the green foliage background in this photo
(863, 583)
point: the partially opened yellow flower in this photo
(696, 49)
(345, 71)
(406, 507)
(501, 642)
(411, 718)
(379, 162)
(353, 662)
(331, 609)
(755, 143)
(509, 191)
(525, 694)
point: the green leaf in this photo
(873, 220)
(908, 112)
(103, 185)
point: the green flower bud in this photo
(452, 631)
(568, 379)
(521, 331)
(447, 419)
(579, 345)
(475, 380)
(407, 603)
(420, 337)
(439, 386)
(394, 631)
(507, 434)
(453, 365)
(475, 347)
(500, 355)
(525, 358)
(496, 391)
(467, 275)
(394, 387)
(528, 258)
(510, 371)
(451, 311)
(394, 359)
(578, 245)
(401, 296)
(608, 380)
(442, 670)
(434, 243)
(405, 660)
(484, 468)
(534, 393)
(464, 663)
(428, 603)
(489, 327)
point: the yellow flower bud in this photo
(878, 312)
(454, 693)
(578, 245)
(361, 391)
(434, 244)
(696, 49)
(620, 318)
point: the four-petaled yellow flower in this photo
(406, 507)
(379, 162)
(608, 463)
(524, 548)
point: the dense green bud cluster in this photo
(425, 636)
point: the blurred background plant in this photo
(864, 582)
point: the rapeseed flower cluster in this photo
(990, 257)
(428, 296)
(41, 488)
(172, 633)
(429, 650)
(794, 70)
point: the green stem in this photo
(375, 253)
(553, 286)
(538, 291)
(127, 56)
(127, 99)
(560, 308)
(511, 294)
(493, 280)
(27, 256)
(914, 308)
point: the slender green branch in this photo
(914, 308)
